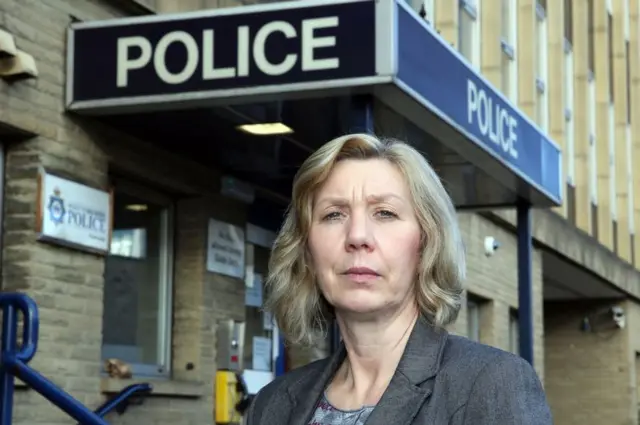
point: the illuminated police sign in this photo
(440, 78)
(211, 51)
(201, 52)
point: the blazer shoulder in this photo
(275, 393)
(461, 349)
(464, 358)
(497, 386)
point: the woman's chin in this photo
(361, 307)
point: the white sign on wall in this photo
(225, 253)
(74, 214)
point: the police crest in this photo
(56, 207)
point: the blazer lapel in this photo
(411, 384)
(305, 393)
(406, 393)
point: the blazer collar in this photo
(405, 394)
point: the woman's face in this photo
(365, 238)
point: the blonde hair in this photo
(293, 295)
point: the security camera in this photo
(490, 245)
(618, 316)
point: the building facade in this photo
(572, 67)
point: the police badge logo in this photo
(56, 207)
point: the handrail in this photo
(13, 363)
(121, 400)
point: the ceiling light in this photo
(266, 129)
(136, 207)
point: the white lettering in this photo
(125, 63)
(493, 121)
(160, 60)
(310, 43)
(247, 51)
(209, 71)
(243, 51)
(259, 44)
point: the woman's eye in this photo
(331, 216)
(386, 214)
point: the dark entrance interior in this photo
(211, 136)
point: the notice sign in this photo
(226, 249)
(73, 214)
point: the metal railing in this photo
(14, 364)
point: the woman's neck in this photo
(374, 349)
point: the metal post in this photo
(525, 281)
(9, 342)
(359, 120)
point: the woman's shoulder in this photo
(483, 366)
(277, 393)
(459, 348)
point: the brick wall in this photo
(590, 376)
(495, 279)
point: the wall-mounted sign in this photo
(73, 214)
(225, 253)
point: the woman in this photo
(371, 240)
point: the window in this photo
(508, 42)
(259, 325)
(473, 319)
(514, 332)
(424, 8)
(611, 58)
(630, 204)
(613, 202)
(469, 31)
(568, 113)
(591, 35)
(593, 175)
(628, 78)
(136, 324)
(542, 102)
(568, 21)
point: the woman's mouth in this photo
(361, 274)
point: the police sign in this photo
(220, 50)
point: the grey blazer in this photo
(441, 379)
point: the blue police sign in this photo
(441, 79)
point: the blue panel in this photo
(291, 45)
(442, 79)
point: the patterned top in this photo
(327, 414)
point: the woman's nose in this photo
(358, 233)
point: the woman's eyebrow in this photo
(340, 201)
(384, 197)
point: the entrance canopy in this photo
(187, 81)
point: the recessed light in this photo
(137, 207)
(266, 129)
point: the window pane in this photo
(133, 281)
(506, 18)
(473, 321)
(465, 35)
(505, 74)
(514, 334)
(568, 20)
(257, 324)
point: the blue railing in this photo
(120, 401)
(14, 363)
